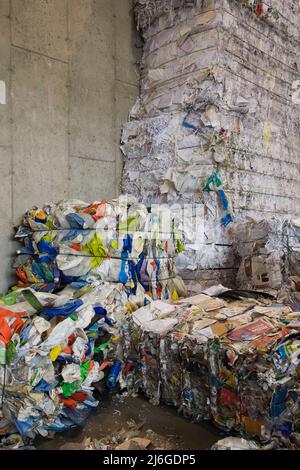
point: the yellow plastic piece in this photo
(54, 353)
(175, 296)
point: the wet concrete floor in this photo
(175, 432)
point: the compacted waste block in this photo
(233, 362)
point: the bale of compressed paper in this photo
(199, 113)
(292, 246)
(236, 363)
(269, 253)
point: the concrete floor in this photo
(171, 430)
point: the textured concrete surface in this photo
(41, 26)
(69, 68)
(6, 241)
(98, 175)
(39, 135)
(4, 73)
(92, 123)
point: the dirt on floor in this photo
(134, 423)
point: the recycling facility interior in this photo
(182, 101)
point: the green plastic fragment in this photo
(96, 250)
(85, 370)
(214, 179)
(70, 388)
(47, 274)
(82, 291)
(179, 247)
(10, 353)
(34, 377)
(10, 298)
(102, 346)
(32, 299)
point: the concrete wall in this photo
(69, 68)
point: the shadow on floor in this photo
(113, 416)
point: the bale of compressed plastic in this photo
(81, 268)
(55, 346)
(74, 242)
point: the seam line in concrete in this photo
(92, 159)
(69, 99)
(39, 53)
(127, 83)
(115, 45)
(12, 158)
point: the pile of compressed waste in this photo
(81, 269)
(269, 252)
(235, 362)
(98, 301)
(74, 242)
